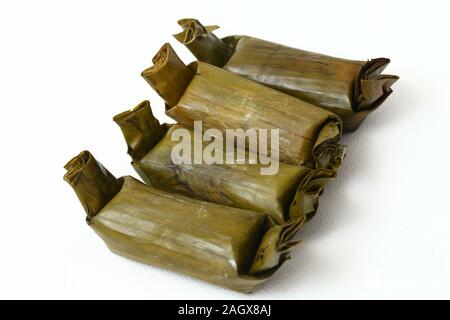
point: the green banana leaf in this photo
(351, 89)
(293, 192)
(234, 248)
(308, 135)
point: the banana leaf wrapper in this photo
(308, 135)
(349, 88)
(293, 192)
(230, 247)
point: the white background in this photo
(66, 67)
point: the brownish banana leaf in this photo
(292, 192)
(231, 247)
(308, 135)
(351, 89)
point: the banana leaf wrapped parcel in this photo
(351, 89)
(308, 135)
(292, 192)
(230, 247)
